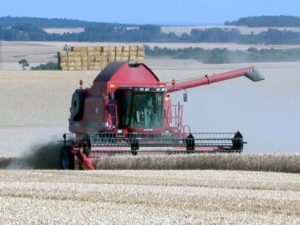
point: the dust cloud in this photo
(40, 156)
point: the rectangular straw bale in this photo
(133, 54)
(98, 48)
(92, 53)
(133, 48)
(64, 68)
(84, 64)
(140, 48)
(111, 48)
(125, 48)
(98, 66)
(105, 48)
(98, 58)
(77, 59)
(78, 63)
(139, 60)
(63, 64)
(84, 49)
(132, 57)
(112, 54)
(91, 48)
(104, 53)
(70, 54)
(140, 54)
(119, 48)
(119, 58)
(71, 67)
(63, 59)
(84, 58)
(125, 58)
(62, 53)
(71, 59)
(91, 58)
(104, 64)
(71, 64)
(125, 54)
(78, 48)
(76, 54)
(111, 58)
(119, 54)
(75, 48)
(91, 64)
(82, 54)
(93, 68)
(78, 68)
(132, 61)
(105, 60)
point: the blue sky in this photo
(181, 12)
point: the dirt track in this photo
(149, 197)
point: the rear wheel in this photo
(77, 105)
(67, 160)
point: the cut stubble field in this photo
(149, 197)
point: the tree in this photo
(24, 63)
(48, 66)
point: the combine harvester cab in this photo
(129, 110)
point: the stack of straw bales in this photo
(97, 57)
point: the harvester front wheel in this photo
(67, 159)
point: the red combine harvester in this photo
(129, 110)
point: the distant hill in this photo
(267, 21)
(9, 21)
(33, 29)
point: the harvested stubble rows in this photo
(97, 57)
(148, 197)
(252, 162)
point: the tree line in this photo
(267, 21)
(104, 32)
(9, 21)
(149, 33)
(223, 55)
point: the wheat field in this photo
(35, 110)
(149, 197)
(250, 162)
(48, 157)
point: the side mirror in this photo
(185, 96)
(111, 96)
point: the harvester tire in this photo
(77, 105)
(87, 140)
(67, 160)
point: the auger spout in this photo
(250, 72)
